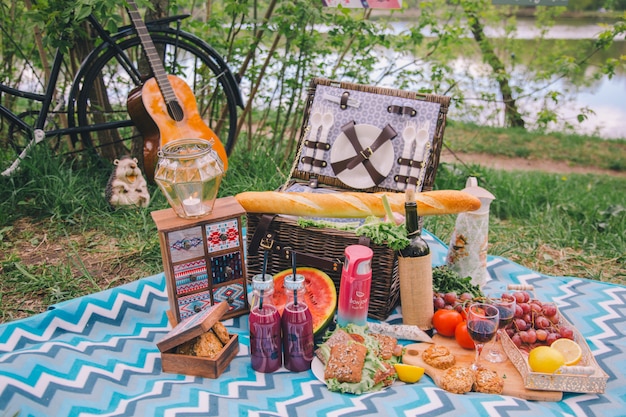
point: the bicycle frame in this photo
(46, 98)
(37, 131)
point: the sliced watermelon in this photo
(321, 295)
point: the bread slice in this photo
(346, 362)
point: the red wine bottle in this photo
(417, 245)
(415, 272)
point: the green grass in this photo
(573, 149)
(59, 239)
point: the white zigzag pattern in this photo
(562, 301)
(307, 393)
(158, 388)
(434, 403)
(582, 398)
(58, 323)
(85, 344)
(78, 382)
(601, 322)
(204, 397)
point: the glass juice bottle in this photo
(354, 288)
(265, 340)
(297, 326)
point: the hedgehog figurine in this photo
(126, 185)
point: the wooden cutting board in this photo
(513, 383)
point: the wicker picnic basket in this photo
(323, 248)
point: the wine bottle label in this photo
(416, 291)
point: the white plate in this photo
(318, 369)
(382, 158)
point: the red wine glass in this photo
(505, 303)
(482, 325)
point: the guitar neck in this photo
(154, 60)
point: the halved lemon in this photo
(408, 373)
(571, 351)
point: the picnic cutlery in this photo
(327, 122)
(408, 135)
(316, 123)
(421, 144)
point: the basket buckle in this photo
(267, 242)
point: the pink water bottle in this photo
(354, 289)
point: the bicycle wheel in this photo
(105, 81)
(20, 138)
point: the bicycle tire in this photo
(185, 56)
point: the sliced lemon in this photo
(408, 373)
(571, 351)
(545, 359)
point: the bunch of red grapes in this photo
(450, 301)
(534, 323)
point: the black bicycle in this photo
(97, 117)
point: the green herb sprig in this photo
(447, 280)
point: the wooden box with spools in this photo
(362, 141)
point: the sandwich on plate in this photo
(356, 361)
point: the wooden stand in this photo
(203, 259)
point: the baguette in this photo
(354, 204)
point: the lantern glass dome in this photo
(189, 173)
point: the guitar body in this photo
(148, 111)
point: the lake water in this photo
(606, 98)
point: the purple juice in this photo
(265, 340)
(297, 326)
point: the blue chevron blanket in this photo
(97, 356)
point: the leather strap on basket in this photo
(363, 155)
(265, 239)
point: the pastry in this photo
(208, 345)
(220, 331)
(488, 382)
(458, 380)
(438, 356)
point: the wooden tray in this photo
(513, 382)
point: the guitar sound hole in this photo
(175, 111)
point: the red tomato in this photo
(445, 321)
(462, 336)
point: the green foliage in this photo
(62, 20)
(579, 212)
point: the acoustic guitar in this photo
(164, 108)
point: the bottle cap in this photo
(259, 284)
(291, 284)
(358, 259)
(485, 197)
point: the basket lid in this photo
(193, 326)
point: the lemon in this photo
(571, 351)
(545, 359)
(408, 373)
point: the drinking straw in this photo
(293, 267)
(265, 256)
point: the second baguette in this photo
(354, 204)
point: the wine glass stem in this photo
(479, 349)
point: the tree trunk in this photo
(512, 116)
